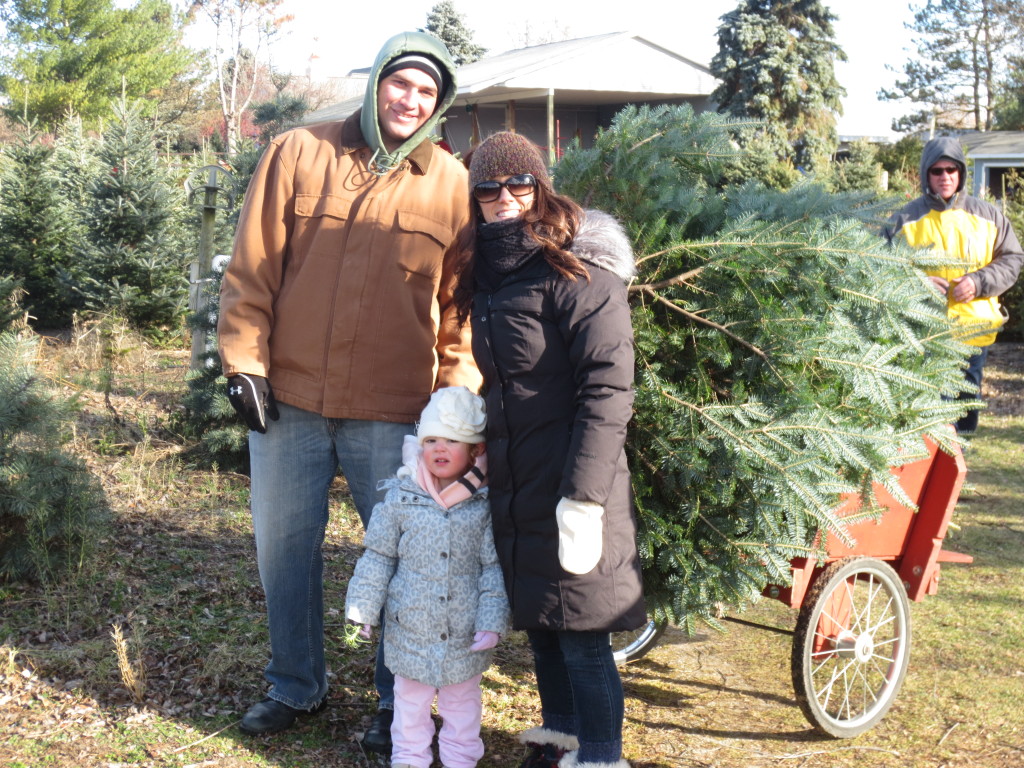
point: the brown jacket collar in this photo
(352, 139)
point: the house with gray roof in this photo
(557, 92)
(992, 154)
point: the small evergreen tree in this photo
(75, 166)
(775, 62)
(1013, 299)
(903, 162)
(861, 170)
(446, 23)
(277, 115)
(50, 504)
(208, 418)
(764, 159)
(38, 236)
(222, 440)
(786, 355)
(132, 264)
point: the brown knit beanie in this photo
(507, 154)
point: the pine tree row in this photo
(97, 223)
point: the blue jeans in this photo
(580, 690)
(968, 424)
(293, 466)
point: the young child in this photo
(430, 562)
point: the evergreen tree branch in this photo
(711, 324)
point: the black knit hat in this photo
(507, 154)
(422, 63)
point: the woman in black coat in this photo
(545, 291)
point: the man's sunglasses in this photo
(518, 186)
(950, 170)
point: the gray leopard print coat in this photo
(437, 574)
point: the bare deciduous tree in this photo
(243, 31)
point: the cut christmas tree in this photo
(786, 355)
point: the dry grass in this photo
(130, 665)
(176, 571)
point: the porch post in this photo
(551, 126)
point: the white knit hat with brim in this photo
(454, 413)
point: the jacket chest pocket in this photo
(420, 243)
(320, 224)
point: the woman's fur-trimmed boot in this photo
(571, 760)
(543, 743)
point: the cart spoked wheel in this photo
(852, 646)
(633, 645)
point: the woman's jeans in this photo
(293, 466)
(580, 690)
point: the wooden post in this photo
(551, 127)
(201, 270)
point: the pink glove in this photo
(366, 631)
(485, 641)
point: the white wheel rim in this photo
(852, 675)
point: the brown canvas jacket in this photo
(339, 287)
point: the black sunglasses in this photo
(519, 186)
(943, 169)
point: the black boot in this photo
(378, 736)
(270, 716)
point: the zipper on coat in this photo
(512, 598)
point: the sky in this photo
(346, 36)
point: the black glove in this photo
(253, 400)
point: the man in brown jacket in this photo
(336, 325)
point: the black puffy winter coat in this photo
(557, 360)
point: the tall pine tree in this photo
(776, 63)
(786, 355)
(962, 47)
(446, 23)
(80, 55)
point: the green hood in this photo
(399, 45)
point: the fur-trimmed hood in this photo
(602, 241)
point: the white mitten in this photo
(579, 534)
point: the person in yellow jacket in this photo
(974, 233)
(336, 324)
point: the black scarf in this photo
(502, 247)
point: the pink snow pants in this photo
(412, 730)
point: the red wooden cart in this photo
(851, 645)
(852, 640)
